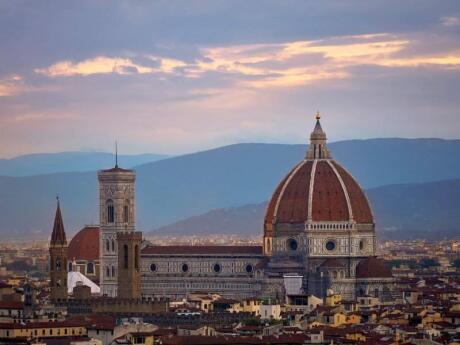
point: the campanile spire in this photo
(58, 257)
(58, 236)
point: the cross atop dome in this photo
(318, 148)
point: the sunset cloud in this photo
(10, 85)
(105, 65)
(287, 64)
(304, 62)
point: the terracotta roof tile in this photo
(372, 267)
(329, 202)
(359, 204)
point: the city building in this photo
(318, 226)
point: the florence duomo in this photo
(231, 172)
(318, 229)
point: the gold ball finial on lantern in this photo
(318, 116)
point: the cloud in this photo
(304, 62)
(10, 85)
(450, 21)
(105, 65)
(27, 117)
(288, 64)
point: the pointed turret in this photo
(318, 148)
(58, 236)
(58, 258)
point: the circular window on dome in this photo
(249, 268)
(153, 267)
(217, 268)
(184, 268)
(330, 245)
(292, 244)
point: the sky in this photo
(181, 76)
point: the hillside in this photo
(402, 211)
(49, 163)
(176, 188)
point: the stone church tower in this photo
(58, 258)
(117, 215)
(129, 277)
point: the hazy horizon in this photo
(171, 155)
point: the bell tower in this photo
(58, 258)
(129, 277)
(117, 214)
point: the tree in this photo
(457, 263)
(428, 262)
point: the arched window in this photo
(107, 245)
(58, 264)
(113, 246)
(292, 244)
(89, 268)
(136, 257)
(125, 256)
(126, 212)
(70, 267)
(114, 273)
(110, 212)
(107, 271)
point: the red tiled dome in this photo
(85, 244)
(333, 193)
(372, 267)
(318, 189)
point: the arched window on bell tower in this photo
(126, 212)
(110, 212)
(136, 257)
(125, 256)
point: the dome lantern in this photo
(318, 148)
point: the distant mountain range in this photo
(176, 188)
(49, 163)
(429, 210)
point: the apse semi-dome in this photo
(85, 244)
(318, 190)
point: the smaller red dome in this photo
(85, 244)
(373, 267)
